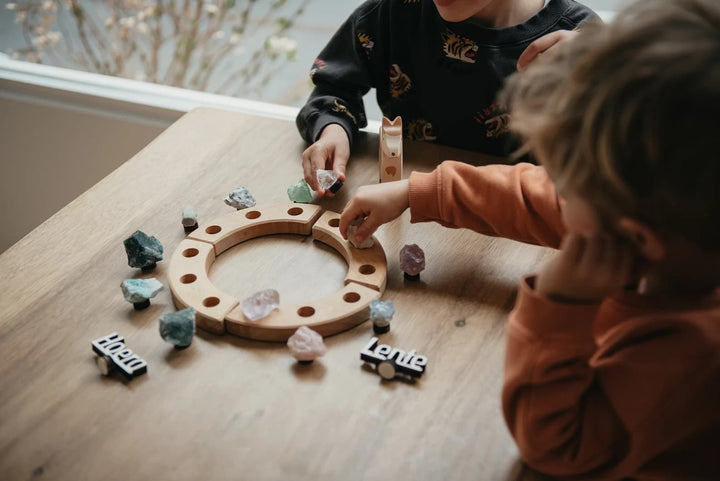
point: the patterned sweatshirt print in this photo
(441, 77)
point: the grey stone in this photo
(189, 216)
(240, 198)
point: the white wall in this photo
(61, 131)
(49, 155)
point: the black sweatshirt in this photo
(441, 77)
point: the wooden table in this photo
(232, 409)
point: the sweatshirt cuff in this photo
(544, 318)
(323, 120)
(423, 196)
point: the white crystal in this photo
(381, 312)
(306, 344)
(260, 304)
(326, 178)
(352, 230)
(240, 198)
(189, 216)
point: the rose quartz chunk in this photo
(306, 345)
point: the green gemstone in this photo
(178, 328)
(300, 192)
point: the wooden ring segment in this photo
(219, 312)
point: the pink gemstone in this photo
(306, 344)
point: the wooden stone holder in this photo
(218, 312)
(390, 151)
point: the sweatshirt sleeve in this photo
(518, 202)
(342, 75)
(604, 411)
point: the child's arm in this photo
(334, 112)
(576, 408)
(518, 202)
(552, 405)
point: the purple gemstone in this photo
(412, 259)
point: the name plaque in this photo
(114, 353)
(393, 361)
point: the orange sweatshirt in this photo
(627, 388)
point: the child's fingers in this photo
(307, 168)
(342, 154)
(367, 228)
(351, 212)
(318, 161)
(310, 157)
(537, 47)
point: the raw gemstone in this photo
(189, 216)
(240, 198)
(306, 345)
(140, 290)
(328, 180)
(143, 251)
(260, 304)
(380, 314)
(412, 260)
(352, 229)
(178, 328)
(300, 192)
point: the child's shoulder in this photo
(372, 9)
(576, 11)
(687, 325)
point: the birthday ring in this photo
(219, 312)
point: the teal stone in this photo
(140, 290)
(178, 328)
(300, 192)
(143, 251)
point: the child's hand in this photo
(543, 45)
(331, 151)
(587, 269)
(377, 204)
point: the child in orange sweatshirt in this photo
(613, 358)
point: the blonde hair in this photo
(627, 115)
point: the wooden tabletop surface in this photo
(233, 409)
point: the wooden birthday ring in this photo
(218, 312)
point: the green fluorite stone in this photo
(178, 328)
(143, 250)
(300, 192)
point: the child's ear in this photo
(647, 239)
